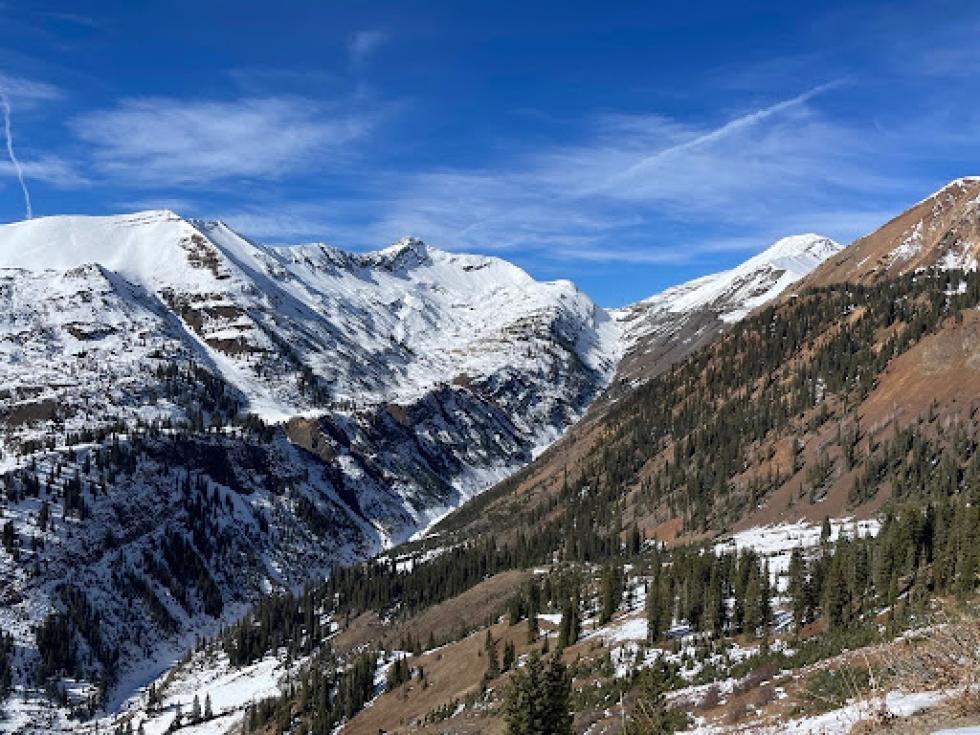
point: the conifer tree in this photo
(753, 599)
(558, 685)
(525, 705)
(493, 662)
(532, 628)
(569, 627)
(765, 596)
(658, 618)
(825, 530)
(510, 654)
(612, 593)
(537, 701)
(649, 715)
(796, 587)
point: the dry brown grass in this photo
(468, 610)
(452, 672)
(946, 658)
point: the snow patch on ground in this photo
(775, 543)
(231, 691)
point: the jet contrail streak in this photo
(5, 103)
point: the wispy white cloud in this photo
(673, 191)
(363, 44)
(25, 93)
(650, 164)
(50, 169)
(779, 169)
(78, 19)
(165, 141)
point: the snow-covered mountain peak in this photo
(954, 187)
(940, 231)
(138, 245)
(666, 326)
(734, 293)
(389, 325)
(797, 246)
(406, 245)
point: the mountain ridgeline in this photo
(194, 425)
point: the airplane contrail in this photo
(5, 104)
(712, 136)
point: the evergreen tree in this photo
(532, 627)
(525, 704)
(753, 598)
(825, 530)
(558, 689)
(537, 701)
(493, 662)
(658, 616)
(796, 588)
(569, 627)
(715, 602)
(533, 608)
(510, 655)
(765, 597)
(835, 593)
(612, 592)
(649, 715)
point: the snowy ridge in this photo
(935, 238)
(952, 187)
(940, 231)
(732, 294)
(663, 328)
(382, 326)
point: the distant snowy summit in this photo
(734, 293)
(662, 329)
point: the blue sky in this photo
(626, 146)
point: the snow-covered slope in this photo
(147, 504)
(662, 329)
(383, 326)
(409, 344)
